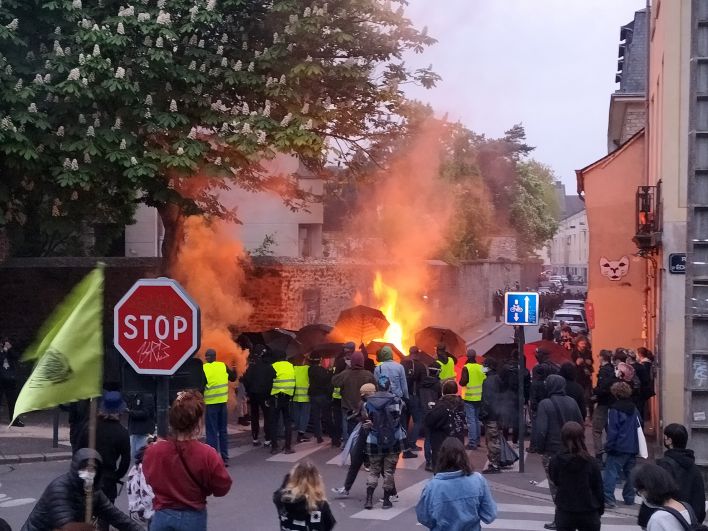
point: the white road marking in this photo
(411, 464)
(537, 525)
(618, 493)
(407, 499)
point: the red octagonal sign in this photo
(156, 326)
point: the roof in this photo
(580, 174)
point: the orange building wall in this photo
(610, 188)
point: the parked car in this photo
(573, 303)
(574, 318)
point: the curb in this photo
(34, 458)
(486, 334)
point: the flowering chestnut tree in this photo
(104, 105)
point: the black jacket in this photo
(320, 381)
(491, 394)
(64, 501)
(446, 419)
(681, 464)
(415, 373)
(429, 392)
(258, 378)
(141, 413)
(11, 358)
(113, 444)
(605, 378)
(294, 515)
(573, 389)
(549, 420)
(579, 483)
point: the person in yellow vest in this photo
(445, 361)
(281, 398)
(471, 379)
(301, 402)
(216, 394)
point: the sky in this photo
(549, 64)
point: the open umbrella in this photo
(500, 352)
(374, 346)
(248, 340)
(428, 338)
(326, 350)
(559, 355)
(312, 335)
(360, 324)
(282, 340)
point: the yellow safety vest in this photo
(284, 378)
(337, 393)
(217, 387)
(447, 370)
(302, 383)
(476, 377)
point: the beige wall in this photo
(610, 187)
(570, 246)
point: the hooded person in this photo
(572, 388)
(553, 412)
(394, 371)
(64, 500)
(429, 392)
(413, 414)
(339, 416)
(258, 383)
(446, 419)
(349, 382)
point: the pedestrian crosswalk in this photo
(407, 499)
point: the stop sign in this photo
(156, 326)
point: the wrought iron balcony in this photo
(648, 218)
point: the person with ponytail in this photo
(183, 471)
(580, 500)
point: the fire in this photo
(403, 318)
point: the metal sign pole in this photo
(520, 341)
(163, 404)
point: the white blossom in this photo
(67, 164)
(290, 47)
(282, 79)
(308, 59)
(74, 195)
(58, 49)
(307, 12)
(161, 4)
(261, 137)
(120, 29)
(117, 124)
(224, 38)
(47, 78)
(244, 108)
(123, 144)
(90, 131)
(246, 129)
(85, 23)
(193, 65)
(308, 126)
(174, 49)
(82, 59)
(67, 51)
(251, 66)
(238, 66)
(202, 68)
(211, 4)
(192, 133)
(96, 51)
(120, 72)
(147, 41)
(193, 12)
(60, 131)
(18, 85)
(95, 28)
(82, 119)
(74, 164)
(276, 38)
(168, 86)
(224, 62)
(8, 70)
(148, 99)
(74, 74)
(220, 50)
(320, 12)
(13, 25)
(201, 43)
(84, 82)
(38, 79)
(126, 12)
(217, 161)
(244, 45)
(159, 42)
(143, 17)
(7, 125)
(173, 106)
(87, 158)
(224, 128)
(270, 81)
(266, 109)
(293, 19)
(32, 108)
(133, 161)
(256, 54)
(305, 108)
(164, 18)
(286, 120)
(180, 150)
(193, 40)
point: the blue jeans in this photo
(472, 414)
(216, 435)
(174, 520)
(136, 443)
(616, 464)
(301, 416)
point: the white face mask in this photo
(87, 475)
(485, 370)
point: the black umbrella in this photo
(312, 335)
(281, 340)
(248, 340)
(501, 351)
(428, 338)
(326, 350)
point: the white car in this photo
(576, 304)
(574, 318)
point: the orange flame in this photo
(404, 318)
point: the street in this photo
(522, 505)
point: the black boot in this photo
(387, 500)
(369, 504)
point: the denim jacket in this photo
(452, 501)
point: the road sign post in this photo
(156, 327)
(520, 310)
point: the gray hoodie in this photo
(553, 412)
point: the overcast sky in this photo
(549, 64)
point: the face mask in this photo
(87, 476)
(485, 370)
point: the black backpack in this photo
(693, 526)
(384, 424)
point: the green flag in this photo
(68, 350)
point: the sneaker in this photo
(392, 497)
(340, 492)
(367, 468)
(288, 451)
(550, 526)
(301, 437)
(610, 505)
(267, 444)
(387, 504)
(409, 454)
(18, 423)
(428, 467)
(491, 470)
(256, 442)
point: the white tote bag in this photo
(643, 450)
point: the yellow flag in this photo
(68, 350)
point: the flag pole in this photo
(89, 485)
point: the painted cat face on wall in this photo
(614, 269)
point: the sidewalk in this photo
(480, 330)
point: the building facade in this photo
(570, 246)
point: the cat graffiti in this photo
(614, 269)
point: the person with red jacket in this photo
(183, 471)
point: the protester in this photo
(579, 499)
(320, 392)
(646, 359)
(490, 416)
(357, 452)
(413, 413)
(446, 419)
(572, 388)
(655, 485)
(553, 413)
(472, 378)
(603, 400)
(640, 381)
(182, 471)
(350, 382)
(63, 502)
(280, 402)
(547, 331)
(341, 363)
(258, 382)
(457, 498)
(498, 305)
(622, 444)
(509, 398)
(393, 371)
(140, 494)
(141, 420)
(680, 462)
(446, 361)
(112, 442)
(384, 441)
(216, 395)
(301, 402)
(9, 361)
(566, 338)
(430, 392)
(301, 501)
(582, 357)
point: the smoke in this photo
(209, 267)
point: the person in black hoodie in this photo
(301, 501)
(141, 420)
(573, 389)
(429, 392)
(258, 382)
(580, 499)
(446, 419)
(680, 462)
(603, 400)
(320, 392)
(490, 415)
(413, 412)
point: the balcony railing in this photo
(648, 218)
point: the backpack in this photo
(384, 424)
(693, 526)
